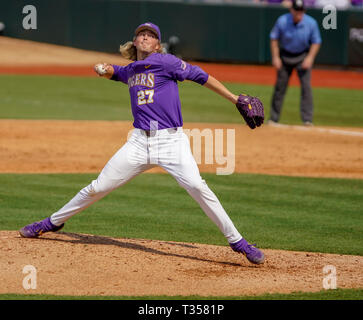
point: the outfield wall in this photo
(224, 33)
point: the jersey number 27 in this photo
(145, 96)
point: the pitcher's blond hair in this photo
(128, 51)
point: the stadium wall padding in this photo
(213, 32)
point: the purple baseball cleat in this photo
(252, 253)
(36, 229)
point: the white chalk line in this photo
(323, 130)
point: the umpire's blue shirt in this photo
(295, 38)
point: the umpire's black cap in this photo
(298, 5)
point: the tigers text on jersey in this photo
(154, 90)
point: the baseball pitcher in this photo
(158, 138)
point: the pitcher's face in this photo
(147, 41)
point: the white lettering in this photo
(166, 311)
(330, 21)
(197, 144)
(356, 34)
(30, 281)
(30, 20)
(220, 158)
(150, 80)
(330, 281)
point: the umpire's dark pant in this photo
(283, 75)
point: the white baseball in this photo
(100, 69)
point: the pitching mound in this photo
(80, 264)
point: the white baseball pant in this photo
(167, 148)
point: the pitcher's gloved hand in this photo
(251, 109)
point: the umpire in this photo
(295, 41)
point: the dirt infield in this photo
(78, 264)
(40, 146)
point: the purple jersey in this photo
(154, 90)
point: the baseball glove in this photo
(251, 109)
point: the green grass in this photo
(338, 294)
(87, 98)
(304, 214)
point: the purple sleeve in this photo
(181, 70)
(119, 74)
